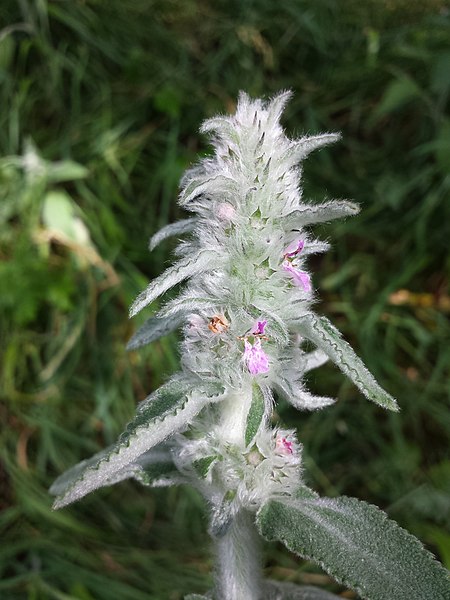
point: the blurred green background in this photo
(100, 107)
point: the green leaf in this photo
(66, 170)
(58, 213)
(325, 336)
(184, 269)
(201, 465)
(358, 545)
(310, 214)
(397, 94)
(168, 410)
(152, 330)
(255, 414)
(177, 228)
(154, 469)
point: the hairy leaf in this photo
(155, 468)
(321, 213)
(315, 359)
(255, 415)
(152, 330)
(357, 544)
(304, 146)
(158, 417)
(294, 393)
(183, 269)
(177, 228)
(184, 305)
(321, 332)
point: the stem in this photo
(233, 416)
(239, 572)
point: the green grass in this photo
(120, 88)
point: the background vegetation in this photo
(100, 106)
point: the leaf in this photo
(152, 330)
(304, 146)
(325, 336)
(255, 415)
(155, 468)
(58, 214)
(314, 360)
(178, 228)
(397, 94)
(202, 465)
(65, 170)
(277, 590)
(185, 304)
(292, 391)
(183, 269)
(162, 414)
(321, 213)
(214, 184)
(357, 544)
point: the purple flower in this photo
(258, 329)
(283, 445)
(294, 248)
(300, 277)
(254, 356)
(291, 254)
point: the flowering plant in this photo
(246, 315)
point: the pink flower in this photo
(225, 211)
(293, 249)
(256, 359)
(291, 254)
(258, 329)
(283, 445)
(300, 277)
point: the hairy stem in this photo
(239, 572)
(233, 416)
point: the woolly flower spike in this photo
(271, 467)
(290, 262)
(246, 202)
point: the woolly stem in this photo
(233, 416)
(239, 571)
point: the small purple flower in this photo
(291, 253)
(258, 329)
(294, 248)
(283, 445)
(256, 359)
(300, 277)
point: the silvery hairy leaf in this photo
(161, 415)
(177, 228)
(356, 544)
(183, 269)
(325, 336)
(155, 468)
(309, 214)
(153, 329)
(256, 413)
